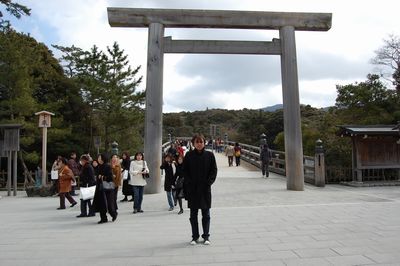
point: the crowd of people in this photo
(189, 171)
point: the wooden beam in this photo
(188, 18)
(221, 47)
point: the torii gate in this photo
(286, 22)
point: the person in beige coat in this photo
(137, 168)
(230, 152)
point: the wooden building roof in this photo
(353, 130)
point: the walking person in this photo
(87, 179)
(65, 177)
(169, 167)
(116, 170)
(104, 197)
(179, 181)
(127, 189)
(200, 171)
(95, 165)
(56, 167)
(74, 166)
(138, 180)
(230, 152)
(265, 157)
(238, 151)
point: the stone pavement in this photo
(254, 221)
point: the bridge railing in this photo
(251, 154)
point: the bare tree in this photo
(389, 56)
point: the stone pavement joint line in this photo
(254, 221)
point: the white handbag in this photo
(87, 192)
(54, 174)
(125, 175)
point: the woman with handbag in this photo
(87, 179)
(104, 197)
(65, 177)
(139, 172)
(127, 189)
(169, 181)
(238, 151)
(179, 181)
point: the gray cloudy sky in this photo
(195, 82)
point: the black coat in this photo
(169, 180)
(99, 200)
(265, 155)
(179, 181)
(127, 189)
(86, 176)
(200, 170)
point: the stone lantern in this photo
(263, 139)
(114, 148)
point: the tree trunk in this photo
(28, 179)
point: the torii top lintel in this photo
(188, 18)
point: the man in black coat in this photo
(200, 170)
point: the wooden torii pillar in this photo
(286, 22)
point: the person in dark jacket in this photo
(265, 157)
(200, 171)
(95, 165)
(74, 166)
(179, 180)
(104, 197)
(87, 179)
(169, 167)
(127, 189)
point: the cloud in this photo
(230, 72)
(192, 82)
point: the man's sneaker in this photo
(193, 242)
(207, 242)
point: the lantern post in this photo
(44, 123)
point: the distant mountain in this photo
(275, 107)
(272, 108)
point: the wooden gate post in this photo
(291, 111)
(154, 102)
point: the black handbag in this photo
(108, 185)
(179, 183)
(145, 176)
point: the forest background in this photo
(95, 93)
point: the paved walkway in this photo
(254, 221)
